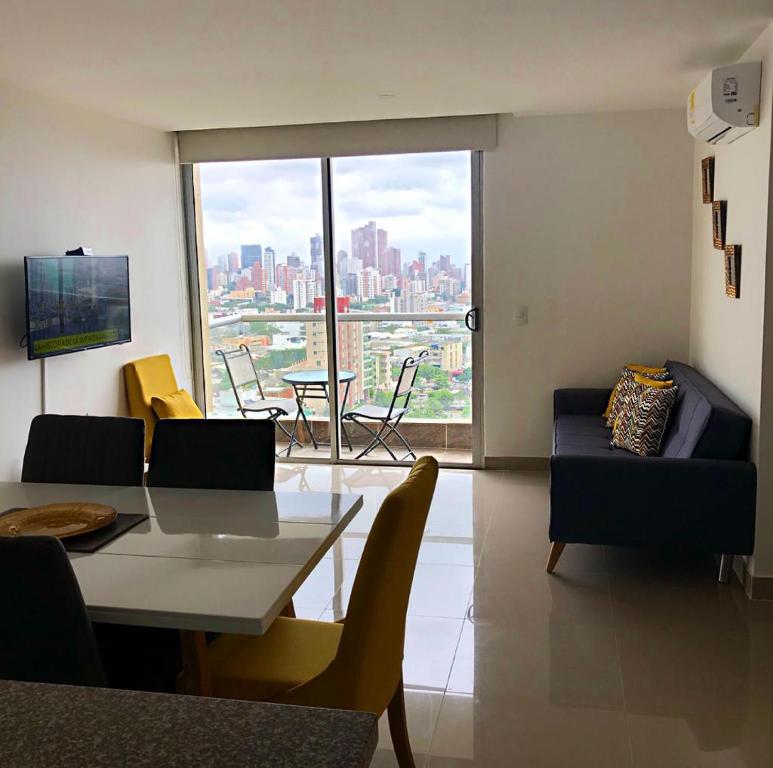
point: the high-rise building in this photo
(278, 296)
(389, 261)
(468, 277)
(348, 286)
(388, 283)
(408, 301)
(444, 263)
(285, 274)
(251, 254)
(294, 261)
(368, 283)
(213, 273)
(382, 365)
(316, 253)
(365, 244)
(447, 286)
(304, 292)
(381, 246)
(222, 262)
(233, 262)
(269, 264)
(351, 350)
(447, 355)
(259, 278)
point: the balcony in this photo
(373, 346)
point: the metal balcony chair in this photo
(389, 417)
(243, 375)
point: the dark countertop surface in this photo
(64, 726)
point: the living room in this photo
(592, 247)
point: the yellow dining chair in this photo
(153, 377)
(355, 664)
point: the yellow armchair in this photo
(147, 378)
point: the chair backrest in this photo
(145, 379)
(46, 635)
(241, 371)
(232, 454)
(89, 450)
(367, 667)
(406, 380)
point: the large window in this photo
(401, 260)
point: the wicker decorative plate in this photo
(63, 520)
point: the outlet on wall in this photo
(521, 314)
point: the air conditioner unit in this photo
(726, 104)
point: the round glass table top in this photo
(316, 376)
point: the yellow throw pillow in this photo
(178, 405)
(636, 368)
(648, 382)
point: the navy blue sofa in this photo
(699, 493)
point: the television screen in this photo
(76, 302)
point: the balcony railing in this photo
(451, 432)
(343, 317)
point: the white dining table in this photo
(204, 560)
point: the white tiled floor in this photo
(443, 455)
(620, 659)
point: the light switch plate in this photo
(521, 314)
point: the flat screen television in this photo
(76, 303)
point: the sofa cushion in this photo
(705, 423)
(642, 430)
(584, 436)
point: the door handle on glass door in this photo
(471, 320)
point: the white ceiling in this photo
(178, 64)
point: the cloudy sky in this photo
(423, 201)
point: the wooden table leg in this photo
(196, 677)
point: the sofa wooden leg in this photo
(556, 548)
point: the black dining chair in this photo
(46, 635)
(85, 450)
(214, 454)
(105, 450)
(227, 454)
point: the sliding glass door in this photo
(261, 228)
(395, 239)
(403, 263)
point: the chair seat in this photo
(376, 412)
(261, 667)
(288, 405)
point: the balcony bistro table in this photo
(312, 385)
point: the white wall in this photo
(731, 340)
(69, 178)
(587, 222)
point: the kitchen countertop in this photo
(64, 726)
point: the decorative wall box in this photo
(718, 223)
(733, 271)
(707, 179)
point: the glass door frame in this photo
(193, 241)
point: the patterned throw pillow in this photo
(636, 368)
(642, 431)
(626, 389)
(635, 388)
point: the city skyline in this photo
(422, 200)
